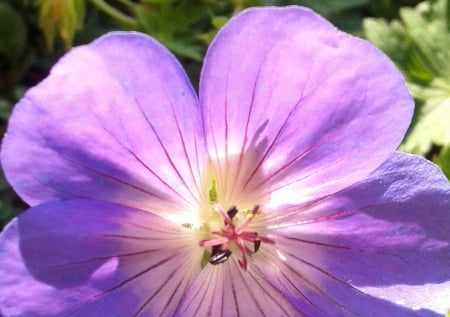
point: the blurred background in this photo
(415, 34)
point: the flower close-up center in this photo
(275, 189)
(226, 225)
(238, 235)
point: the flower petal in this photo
(387, 236)
(226, 290)
(272, 287)
(311, 109)
(115, 120)
(316, 292)
(89, 258)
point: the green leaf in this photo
(389, 37)
(13, 35)
(327, 7)
(60, 17)
(7, 209)
(432, 121)
(183, 37)
(6, 105)
(183, 48)
(419, 44)
(5, 108)
(71, 21)
(219, 21)
(443, 161)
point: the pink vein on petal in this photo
(98, 258)
(233, 292)
(247, 123)
(123, 283)
(137, 158)
(262, 288)
(259, 273)
(79, 164)
(169, 158)
(277, 135)
(180, 134)
(249, 291)
(305, 152)
(227, 163)
(150, 298)
(330, 216)
(199, 291)
(309, 282)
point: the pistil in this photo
(229, 233)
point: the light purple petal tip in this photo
(102, 122)
(318, 108)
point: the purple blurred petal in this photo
(312, 109)
(87, 258)
(384, 235)
(109, 123)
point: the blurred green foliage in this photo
(35, 33)
(419, 43)
(443, 160)
(60, 17)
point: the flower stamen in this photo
(229, 233)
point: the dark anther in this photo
(219, 255)
(232, 212)
(256, 243)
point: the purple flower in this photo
(275, 192)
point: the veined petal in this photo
(386, 236)
(227, 290)
(307, 109)
(317, 292)
(90, 258)
(116, 120)
(279, 287)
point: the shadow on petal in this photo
(319, 293)
(91, 258)
(389, 230)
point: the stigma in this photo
(239, 236)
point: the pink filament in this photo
(229, 233)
